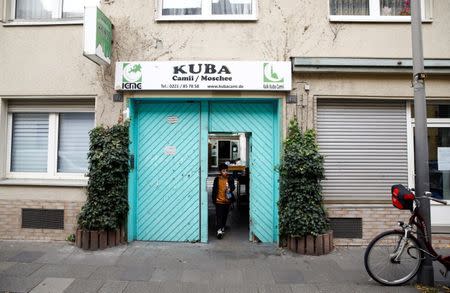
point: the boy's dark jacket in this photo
(216, 187)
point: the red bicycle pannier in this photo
(402, 197)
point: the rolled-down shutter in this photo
(365, 148)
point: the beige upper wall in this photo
(284, 29)
(45, 60)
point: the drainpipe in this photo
(425, 275)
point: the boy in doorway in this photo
(223, 184)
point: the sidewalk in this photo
(220, 266)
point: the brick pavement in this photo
(230, 265)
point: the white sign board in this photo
(443, 159)
(204, 75)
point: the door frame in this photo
(437, 210)
(204, 126)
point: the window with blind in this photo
(73, 142)
(48, 9)
(207, 9)
(29, 142)
(49, 144)
(373, 9)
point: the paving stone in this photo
(170, 287)
(52, 258)
(66, 249)
(341, 288)
(163, 275)
(288, 277)
(133, 260)
(228, 277)
(21, 269)
(277, 288)
(106, 273)
(113, 287)
(219, 266)
(317, 277)
(258, 276)
(15, 284)
(4, 265)
(196, 276)
(52, 285)
(95, 259)
(84, 286)
(200, 288)
(355, 261)
(305, 288)
(27, 256)
(142, 287)
(135, 274)
(64, 271)
(8, 254)
(240, 289)
(166, 262)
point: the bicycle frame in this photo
(417, 220)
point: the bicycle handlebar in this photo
(433, 199)
(439, 201)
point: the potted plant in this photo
(303, 220)
(101, 220)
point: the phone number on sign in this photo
(180, 86)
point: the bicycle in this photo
(394, 257)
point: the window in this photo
(372, 10)
(438, 126)
(207, 10)
(48, 9)
(49, 145)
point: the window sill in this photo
(43, 23)
(206, 18)
(44, 182)
(382, 19)
(440, 229)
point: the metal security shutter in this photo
(365, 148)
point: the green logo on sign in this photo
(270, 75)
(104, 36)
(132, 72)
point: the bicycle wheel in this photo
(382, 264)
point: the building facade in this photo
(350, 79)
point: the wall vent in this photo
(43, 219)
(346, 227)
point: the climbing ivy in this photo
(107, 204)
(301, 210)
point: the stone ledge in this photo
(44, 182)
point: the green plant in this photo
(71, 238)
(107, 203)
(301, 210)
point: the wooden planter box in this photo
(310, 245)
(94, 240)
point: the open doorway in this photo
(231, 149)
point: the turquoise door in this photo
(168, 171)
(260, 120)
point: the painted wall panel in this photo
(168, 177)
(258, 119)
